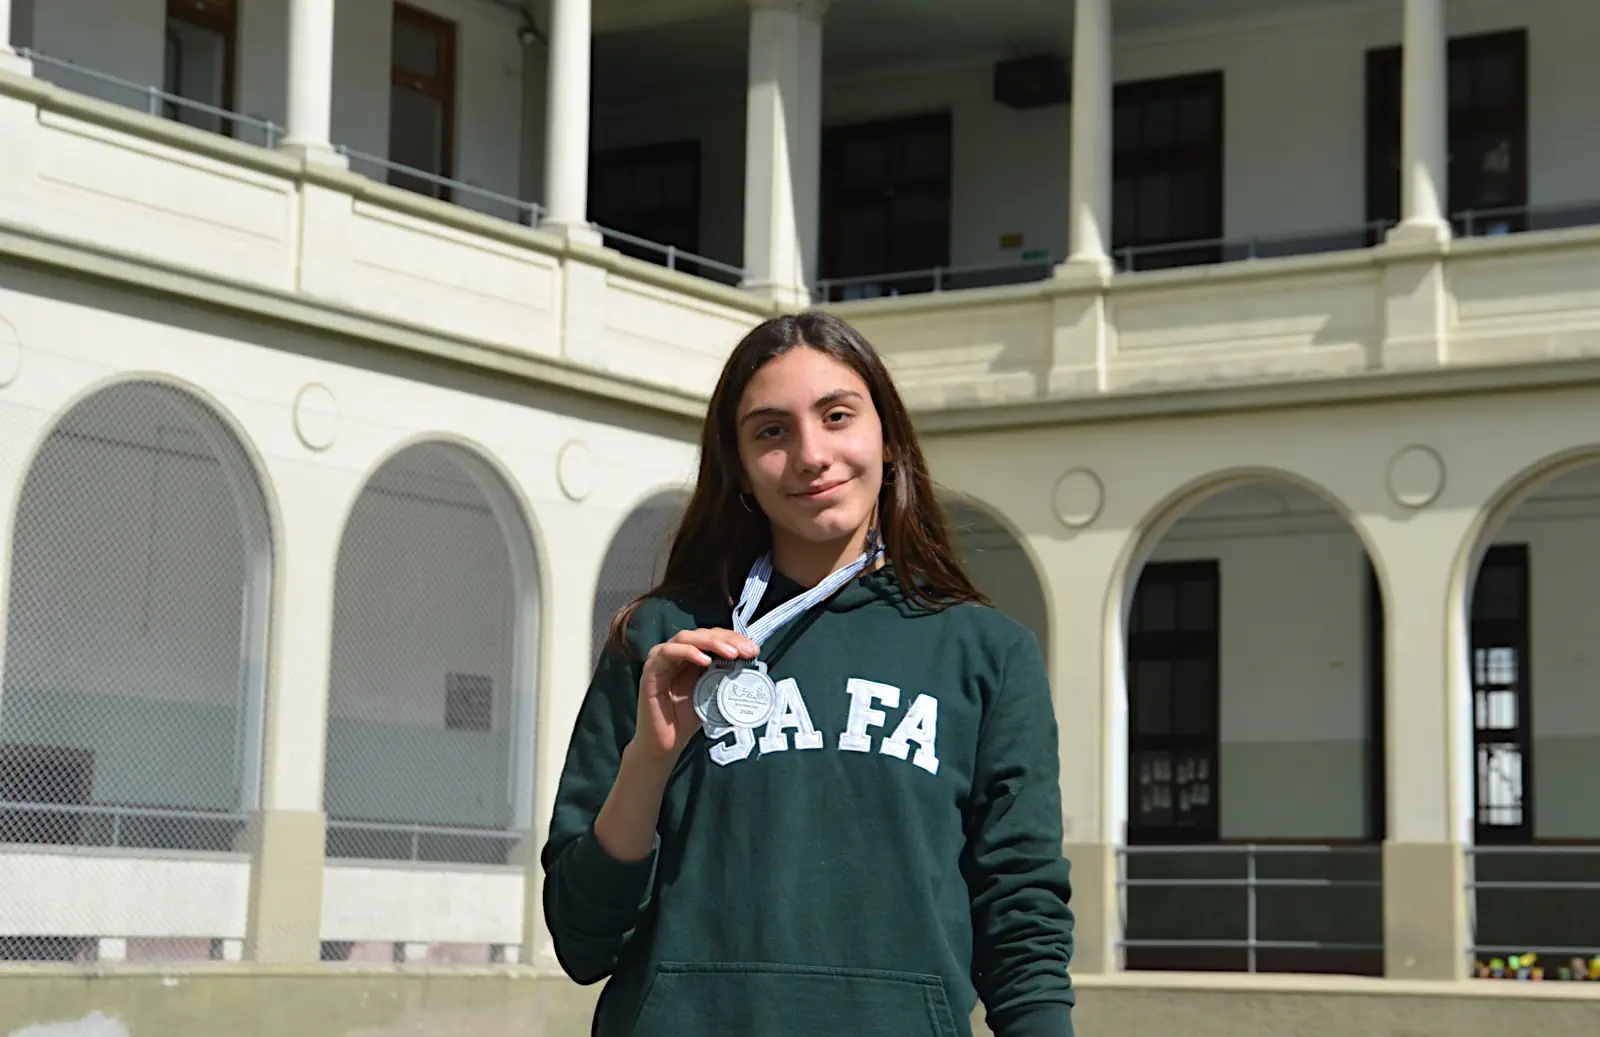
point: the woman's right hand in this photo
(667, 719)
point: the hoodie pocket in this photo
(724, 999)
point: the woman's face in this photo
(812, 448)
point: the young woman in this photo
(812, 790)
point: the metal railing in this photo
(156, 100)
(1201, 251)
(1521, 219)
(380, 840)
(1560, 915)
(933, 279)
(671, 256)
(448, 188)
(25, 823)
(1252, 882)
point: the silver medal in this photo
(747, 697)
(736, 695)
(741, 694)
(705, 694)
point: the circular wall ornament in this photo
(1416, 476)
(316, 416)
(1078, 498)
(10, 352)
(575, 469)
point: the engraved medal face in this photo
(747, 697)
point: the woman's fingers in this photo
(725, 643)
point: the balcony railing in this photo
(1302, 907)
(162, 104)
(670, 256)
(1540, 903)
(120, 827)
(444, 188)
(390, 841)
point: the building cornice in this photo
(1376, 387)
(23, 245)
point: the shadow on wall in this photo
(635, 560)
(996, 562)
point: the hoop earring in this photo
(888, 473)
(747, 506)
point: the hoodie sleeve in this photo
(593, 902)
(1019, 879)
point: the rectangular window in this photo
(422, 100)
(650, 192)
(1488, 132)
(886, 204)
(1173, 703)
(1501, 696)
(199, 61)
(468, 702)
(1167, 165)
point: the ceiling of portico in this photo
(648, 47)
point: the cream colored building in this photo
(351, 361)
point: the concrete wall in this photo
(511, 1003)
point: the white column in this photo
(1424, 148)
(566, 150)
(310, 129)
(783, 148)
(1090, 231)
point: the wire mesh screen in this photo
(423, 694)
(635, 560)
(996, 562)
(128, 702)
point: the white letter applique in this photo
(862, 716)
(722, 753)
(792, 712)
(920, 725)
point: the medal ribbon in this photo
(755, 585)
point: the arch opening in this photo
(635, 560)
(431, 687)
(1250, 633)
(136, 628)
(1530, 598)
(998, 564)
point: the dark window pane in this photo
(1197, 605)
(1152, 697)
(1498, 594)
(864, 161)
(1197, 120)
(1125, 127)
(1494, 81)
(1160, 123)
(415, 49)
(677, 184)
(1158, 605)
(863, 240)
(1192, 697)
(1155, 208)
(925, 156)
(1460, 85)
(1191, 203)
(416, 137)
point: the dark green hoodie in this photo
(883, 853)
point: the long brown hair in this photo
(719, 537)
